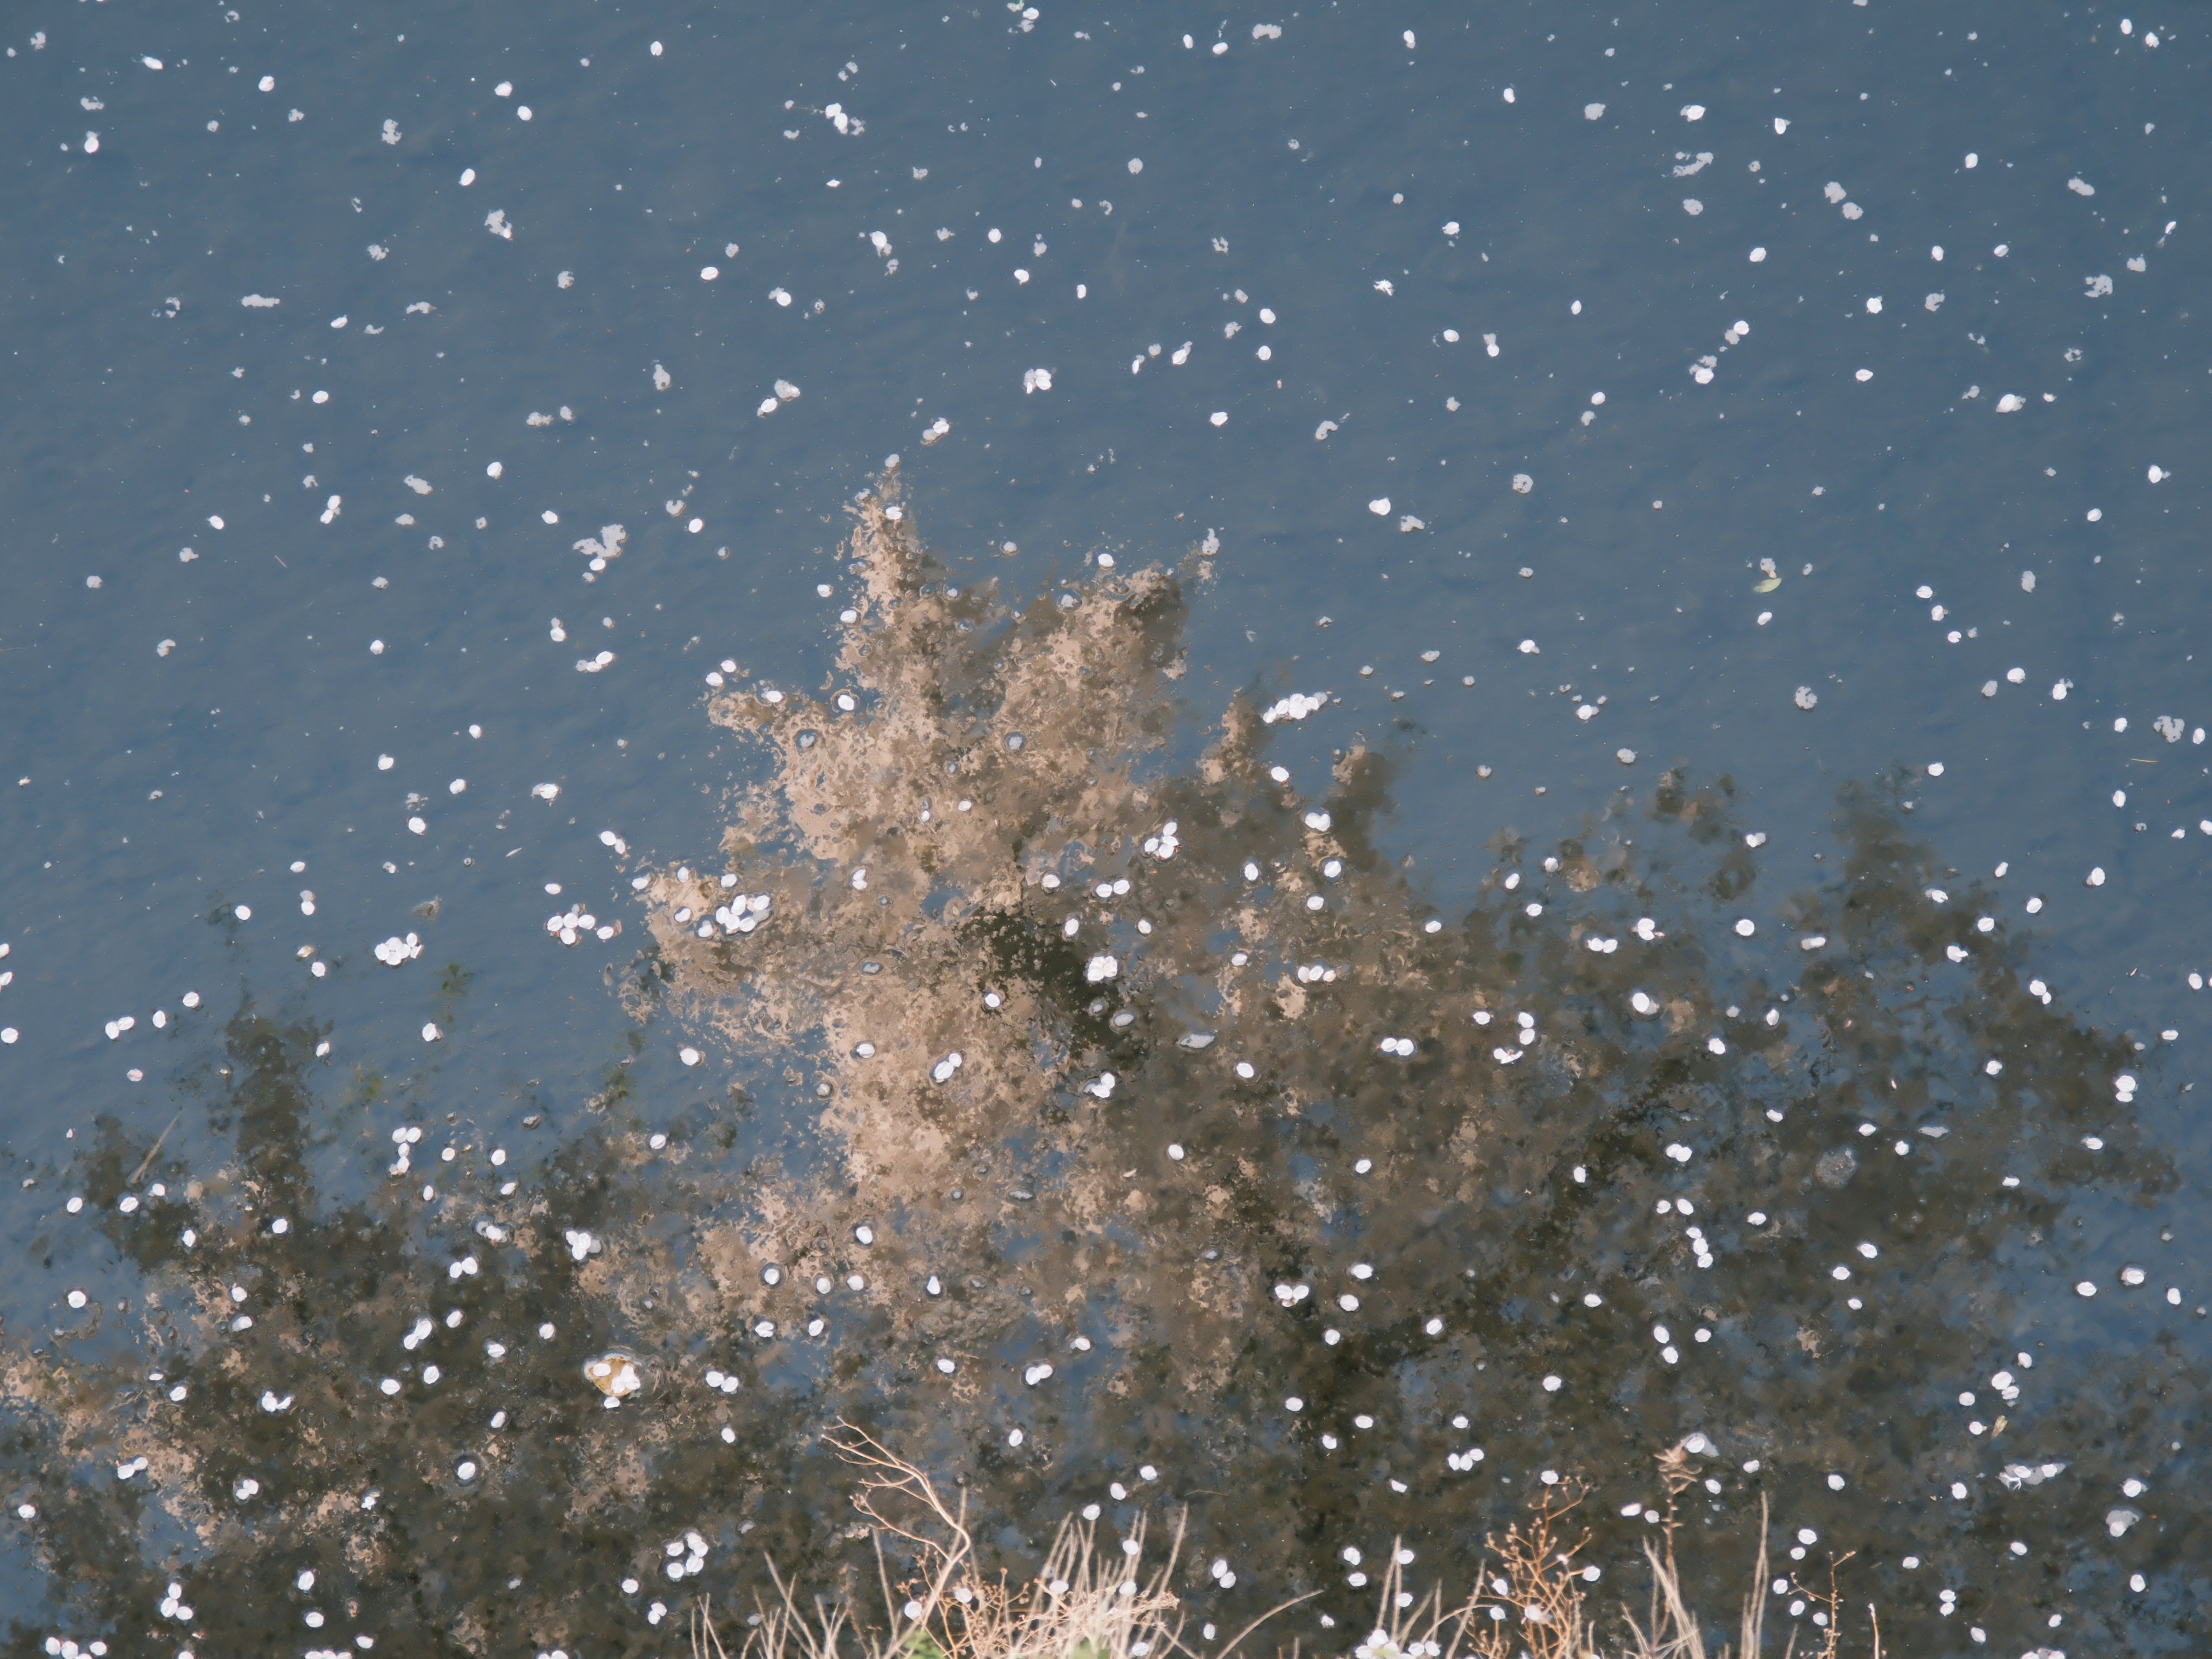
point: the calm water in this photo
(1573, 401)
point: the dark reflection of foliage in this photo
(1046, 1213)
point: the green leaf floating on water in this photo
(1768, 585)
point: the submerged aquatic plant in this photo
(1105, 1115)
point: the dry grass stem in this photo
(1083, 1602)
(1531, 1600)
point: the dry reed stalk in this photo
(1081, 1604)
(1529, 1603)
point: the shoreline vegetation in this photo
(1531, 1597)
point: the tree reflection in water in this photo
(1465, 1221)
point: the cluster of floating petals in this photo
(614, 1374)
(1295, 707)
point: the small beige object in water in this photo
(614, 1374)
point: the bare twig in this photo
(147, 1162)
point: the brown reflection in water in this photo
(904, 845)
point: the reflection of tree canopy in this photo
(1491, 1198)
